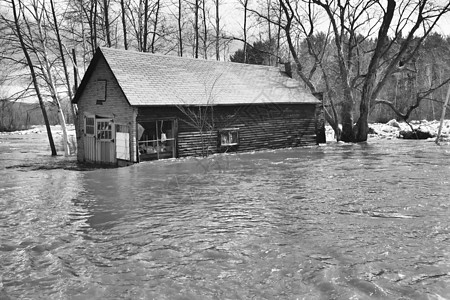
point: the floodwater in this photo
(364, 221)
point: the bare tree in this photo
(155, 24)
(41, 52)
(298, 20)
(217, 28)
(106, 23)
(124, 23)
(201, 117)
(364, 67)
(16, 13)
(245, 6)
(145, 26)
(66, 73)
(443, 115)
(91, 15)
(205, 31)
(196, 27)
(405, 114)
(180, 28)
(7, 98)
(348, 18)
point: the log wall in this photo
(260, 127)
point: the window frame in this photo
(101, 86)
(86, 125)
(159, 140)
(101, 133)
(230, 132)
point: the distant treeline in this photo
(21, 115)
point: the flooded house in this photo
(136, 106)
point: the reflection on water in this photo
(366, 221)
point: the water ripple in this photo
(338, 222)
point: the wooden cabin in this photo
(136, 106)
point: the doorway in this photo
(99, 138)
(157, 139)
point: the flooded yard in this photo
(362, 221)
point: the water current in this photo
(363, 221)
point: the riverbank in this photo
(394, 129)
(389, 130)
(36, 135)
(37, 129)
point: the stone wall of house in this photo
(114, 106)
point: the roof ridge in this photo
(190, 58)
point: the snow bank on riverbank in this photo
(388, 130)
(39, 132)
(393, 128)
(56, 129)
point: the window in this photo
(101, 91)
(229, 137)
(157, 139)
(104, 130)
(89, 126)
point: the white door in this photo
(123, 142)
(105, 152)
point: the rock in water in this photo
(372, 131)
(417, 134)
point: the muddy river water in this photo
(364, 221)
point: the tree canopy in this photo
(371, 59)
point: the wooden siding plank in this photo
(260, 127)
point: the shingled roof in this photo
(152, 79)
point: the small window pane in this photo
(229, 137)
(90, 126)
(104, 130)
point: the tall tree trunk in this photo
(76, 73)
(48, 76)
(81, 10)
(92, 19)
(347, 120)
(348, 103)
(196, 33)
(205, 31)
(144, 46)
(217, 31)
(124, 24)
(106, 20)
(138, 26)
(269, 32)
(94, 28)
(245, 31)
(155, 25)
(34, 78)
(278, 36)
(180, 28)
(369, 90)
(66, 73)
(444, 108)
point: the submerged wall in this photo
(259, 127)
